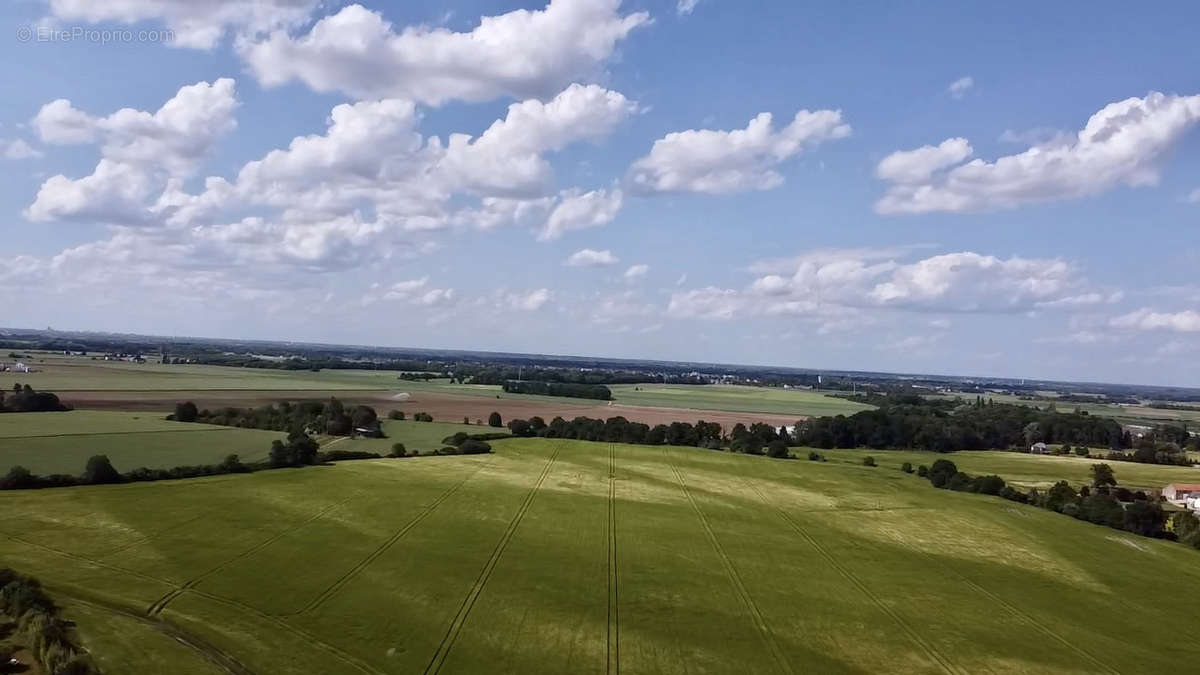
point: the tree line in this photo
(331, 419)
(40, 627)
(24, 398)
(570, 389)
(1102, 503)
(912, 422)
(757, 439)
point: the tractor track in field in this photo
(153, 535)
(464, 610)
(207, 651)
(354, 571)
(613, 660)
(159, 605)
(936, 656)
(1021, 615)
(760, 622)
(304, 635)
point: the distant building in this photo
(1181, 492)
(1039, 449)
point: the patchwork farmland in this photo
(555, 556)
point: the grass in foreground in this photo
(552, 557)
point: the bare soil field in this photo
(443, 407)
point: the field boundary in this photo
(464, 610)
(331, 590)
(760, 621)
(161, 604)
(613, 659)
(930, 651)
(205, 427)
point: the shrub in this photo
(814, 456)
(398, 450)
(922, 471)
(1081, 451)
(337, 455)
(396, 415)
(466, 420)
(906, 467)
(100, 471)
(941, 472)
(185, 412)
(474, 447)
(868, 461)
(423, 417)
(494, 420)
(777, 449)
(989, 485)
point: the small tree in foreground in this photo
(1102, 474)
(906, 467)
(100, 471)
(495, 421)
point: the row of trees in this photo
(756, 439)
(943, 426)
(570, 389)
(1102, 502)
(332, 418)
(43, 631)
(23, 398)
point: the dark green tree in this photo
(100, 471)
(186, 412)
(1102, 474)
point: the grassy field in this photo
(735, 398)
(557, 557)
(1024, 470)
(81, 374)
(61, 442)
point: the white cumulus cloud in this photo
(731, 161)
(523, 53)
(589, 257)
(198, 24)
(1186, 321)
(959, 87)
(1122, 144)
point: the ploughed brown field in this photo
(443, 407)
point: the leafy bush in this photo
(868, 461)
(906, 467)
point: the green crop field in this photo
(571, 557)
(736, 399)
(61, 442)
(1025, 470)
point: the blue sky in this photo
(942, 188)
